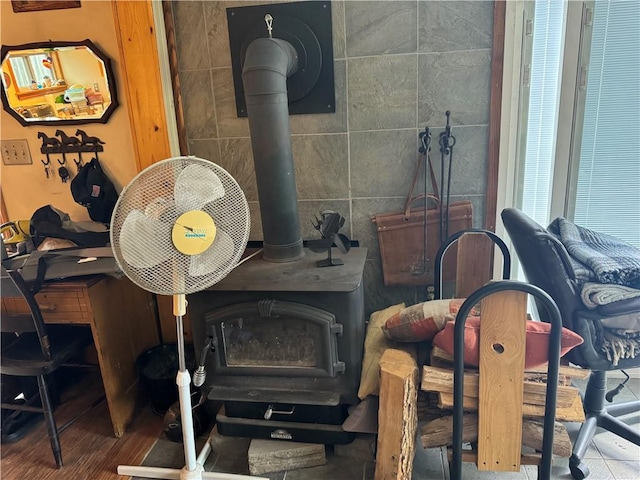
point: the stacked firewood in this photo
(435, 402)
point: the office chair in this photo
(32, 349)
(546, 264)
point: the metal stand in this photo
(193, 469)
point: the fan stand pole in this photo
(193, 469)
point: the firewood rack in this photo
(502, 342)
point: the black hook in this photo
(46, 166)
(425, 140)
(447, 140)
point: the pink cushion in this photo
(536, 346)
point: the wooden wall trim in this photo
(141, 81)
(497, 62)
(170, 32)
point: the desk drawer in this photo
(69, 306)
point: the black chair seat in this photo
(23, 355)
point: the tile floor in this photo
(609, 458)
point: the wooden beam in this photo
(495, 105)
(141, 81)
(500, 391)
(175, 75)
(474, 263)
(397, 415)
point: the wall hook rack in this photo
(70, 144)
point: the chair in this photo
(32, 349)
(547, 264)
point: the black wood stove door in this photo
(275, 338)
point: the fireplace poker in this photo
(447, 141)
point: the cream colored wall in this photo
(25, 187)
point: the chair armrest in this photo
(622, 307)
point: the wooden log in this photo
(439, 433)
(397, 415)
(574, 413)
(532, 431)
(437, 379)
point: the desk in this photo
(123, 324)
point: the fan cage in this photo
(152, 192)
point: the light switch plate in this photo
(15, 152)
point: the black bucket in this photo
(157, 368)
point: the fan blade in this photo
(195, 187)
(213, 258)
(141, 239)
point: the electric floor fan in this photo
(179, 227)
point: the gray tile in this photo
(478, 206)
(229, 124)
(337, 27)
(471, 472)
(309, 209)
(199, 108)
(237, 158)
(335, 468)
(382, 92)
(378, 297)
(461, 25)
(364, 230)
(207, 149)
(614, 447)
(456, 81)
(217, 33)
(625, 470)
(233, 463)
(375, 28)
(469, 163)
(255, 233)
(191, 39)
(429, 464)
(383, 163)
(321, 166)
(327, 122)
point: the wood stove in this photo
(287, 344)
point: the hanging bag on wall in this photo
(92, 189)
(408, 244)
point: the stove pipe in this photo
(267, 64)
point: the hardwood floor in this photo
(89, 448)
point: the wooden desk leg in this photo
(124, 326)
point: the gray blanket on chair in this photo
(605, 258)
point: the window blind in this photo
(608, 184)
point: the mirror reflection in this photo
(69, 82)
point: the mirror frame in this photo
(6, 49)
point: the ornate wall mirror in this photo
(62, 83)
